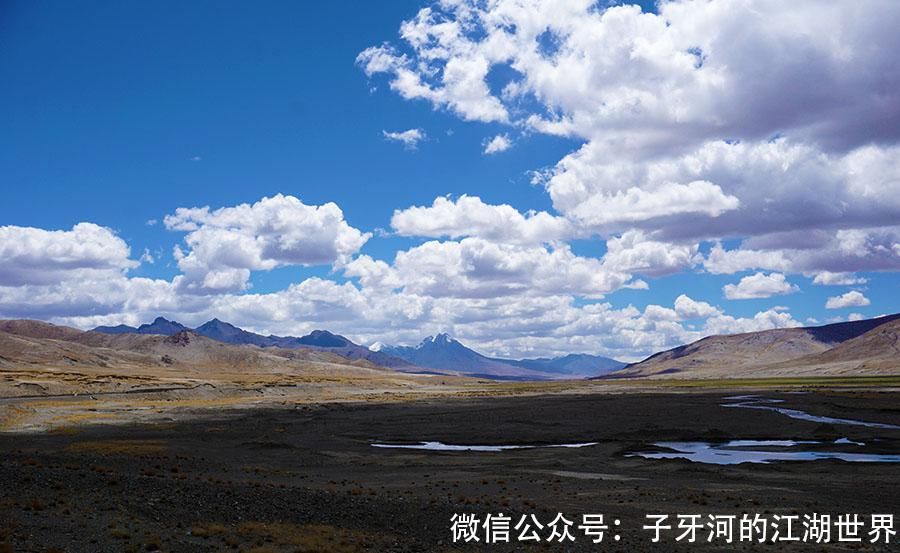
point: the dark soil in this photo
(308, 479)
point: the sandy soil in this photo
(305, 477)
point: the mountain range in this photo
(867, 347)
(441, 354)
(230, 334)
(35, 344)
(858, 348)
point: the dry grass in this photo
(208, 530)
(244, 391)
(119, 447)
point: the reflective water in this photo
(441, 446)
(742, 451)
(755, 402)
(729, 453)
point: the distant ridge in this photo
(574, 363)
(118, 329)
(775, 352)
(442, 352)
(29, 344)
(159, 326)
(324, 339)
(228, 333)
(858, 348)
(439, 354)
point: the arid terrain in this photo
(307, 477)
(182, 443)
(859, 348)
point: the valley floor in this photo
(295, 476)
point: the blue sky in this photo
(107, 109)
(118, 114)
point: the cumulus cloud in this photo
(636, 252)
(689, 308)
(742, 189)
(692, 70)
(499, 143)
(478, 268)
(853, 298)
(226, 244)
(505, 299)
(409, 138)
(687, 132)
(841, 251)
(36, 256)
(605, 210)
(79, 277)
(461, 86)
(534, 324)
(775, 317)
(759, 285)
(470, 216)
(828, 278)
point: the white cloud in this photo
(855, 317)
(604, 210)
(659, 313)
(852, 298)
(499, 143)
(759, 285)
(828, 278)
(635, 252)
(687, 132)
(470, 216)
(531, 325)
(226, 244)
(841, 251)
(36, 256)
(82, 298)
(776, 317)
(722, 261)
(689, 308)
(510, 299)
(478, 268)
(740, 189)
(409, 138)
(695, 69)
(460, 84)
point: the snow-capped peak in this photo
(442, 338)
(377, 346)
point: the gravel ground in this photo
(307, 478)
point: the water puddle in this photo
(441, 446)
(755, 402)
(760, 451)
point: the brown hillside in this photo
(851, 348)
